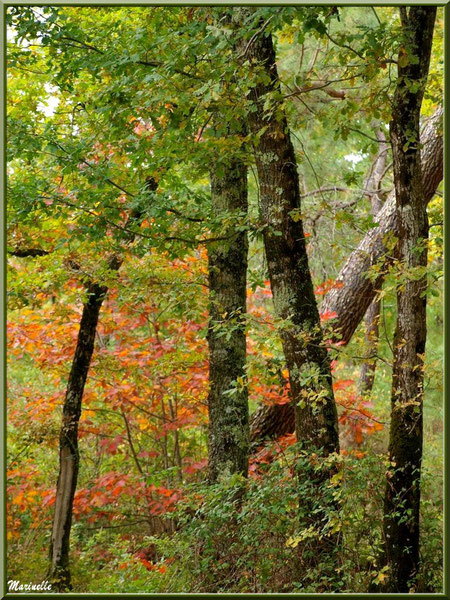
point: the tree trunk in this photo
(372, 184)
(59, 571)
(402, 497)
(351, 301)
(287, 260)
(227, 264)
(305, 353)
(68, 439)
(367, 375)
(271, 422)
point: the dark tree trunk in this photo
(59, 571)
(295, 305)
(68, 439)
(351, 301)
(402, 498)
(284, 241)
(227, 263)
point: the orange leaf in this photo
(342, 383)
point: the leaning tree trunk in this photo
(68, 439)
(402, 497)
(305, 353)
(227, 265)
(351, 301)
(59, 571)
(290, 278)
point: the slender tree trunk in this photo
(372, 319)
(351, 301)
(59, 571)
(68, 439)
(227, 264)
(371, 337)
(402, 498)
(177, 461)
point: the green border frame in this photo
(123, 3)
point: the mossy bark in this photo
(402, 496)
(69, 458)
(351, 300)
(295, 304)
(285, 246)
(227, 264)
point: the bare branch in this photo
(25, 252)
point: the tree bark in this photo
(227, 265)
(59, 571)
(402, 496)
(290, 278)
(295, 304)
(68, 440)
(351, 301)
(372, 325)
(371, 337)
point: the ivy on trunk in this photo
(227, 267)
(402, 495)
(290, 279)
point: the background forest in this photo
(208, 258)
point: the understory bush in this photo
(255, 536)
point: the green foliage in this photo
(254, 537)
(102, 100)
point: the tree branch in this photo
(25, 252)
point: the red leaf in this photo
(342, 383)
(327, 315)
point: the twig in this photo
(366, 135)
(24, 252)
(130, 442)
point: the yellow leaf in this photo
(293, 541)
(380, 578)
